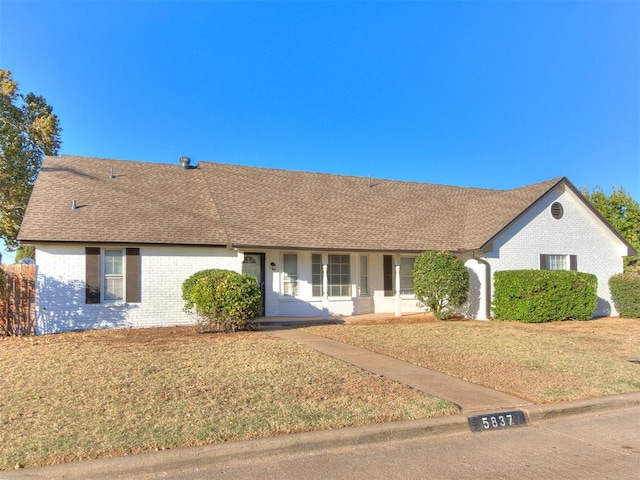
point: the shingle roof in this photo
(144, 203)
(221, 204)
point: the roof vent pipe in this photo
(185, 161)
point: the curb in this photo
(553, 411)
(153, 463)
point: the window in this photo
(364, 275)
(406, 275)
(339, 276)
(290, 274)
(316, 275)
(113, 278)
(558, 262)
(112, 275)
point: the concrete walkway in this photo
(470, 397)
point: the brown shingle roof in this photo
(144, 203)
(220, 204)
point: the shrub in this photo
(223, 300)
(535, 296)
(625, 293)
(440, 282)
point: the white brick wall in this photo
(60, 290)
(579, 232)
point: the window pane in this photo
(364, 275)
(113, 279)
(316, 275)
(291, 264)
(339, 275)
(113, 262)
(113, 288)
(290, 274)
(406, 275)
(556, 262)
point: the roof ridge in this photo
(351, 176)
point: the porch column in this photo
(398, 309)
(325, 292)
(479, 294)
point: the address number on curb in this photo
(497, 421)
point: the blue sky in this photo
(492, 94)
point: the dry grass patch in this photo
(539, 362)
(105, 393)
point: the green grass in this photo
(86, 395)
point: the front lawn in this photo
(544, 362)
(104, 393)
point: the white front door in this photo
(253, 264)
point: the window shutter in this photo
(543, 262)
(132, 295)
(573, 262)
(387, 267)
(92, 275)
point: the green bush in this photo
(223, 300)
(535, 296)
(440, 282)
(625, 293)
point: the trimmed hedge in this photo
(535, 296)
(223, 300)
(625, 293)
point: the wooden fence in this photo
(17, 299)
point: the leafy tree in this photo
(25, 251)
(623, 213)
(29, 130)
(440, 282)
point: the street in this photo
(596, 445)
(604, 445)
(585, 447)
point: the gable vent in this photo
(557, 210)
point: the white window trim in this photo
(350, 284)
(399, 289)
(103, 277)
(366, 275)
(285, 275)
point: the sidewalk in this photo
(470, 397)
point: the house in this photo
(116, 239)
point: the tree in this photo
(29, 130)
(623, 213)
(25, 251)
(440, 282)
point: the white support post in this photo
(325, 292)
(398, 308)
